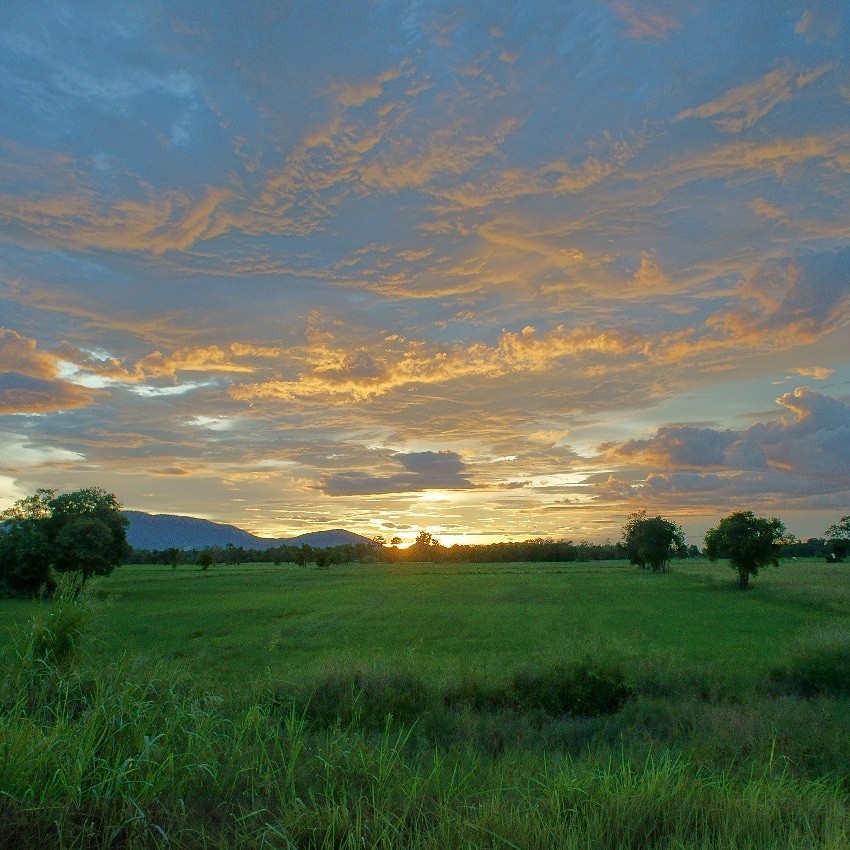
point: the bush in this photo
(826, 673)
(366, 700)
(473, 692)
(585, 689)
(52, 638)
(819, 668)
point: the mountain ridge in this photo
(166, 531)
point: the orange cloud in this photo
(20, 354)
(645, 25)
(168, 221)
(742, 106)
(356, 94)
(819, 373)
(30, 379)
(366, 373)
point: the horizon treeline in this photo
(428, 549)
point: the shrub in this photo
(52, 638)
(584, 689)
(825, 673)
(821, 667)
(366, 700)
(473, 692)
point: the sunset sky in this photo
(493, 270)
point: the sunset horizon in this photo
(493, 271)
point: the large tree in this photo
(650, 542)
(748, 541)
(84, 531)
(838, 535)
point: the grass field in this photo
(288, 622)
(413, 706)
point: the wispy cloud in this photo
(645, 24)
(742, 106)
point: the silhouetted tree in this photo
(748, 541)
(838, 535)
(84, 531)
(650, 542)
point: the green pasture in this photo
(414, 707)
(288, 623)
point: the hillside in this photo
(163, 531)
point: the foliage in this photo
(748, 541)
(819, 666)
(838, 535)
(426, 547)
(534, 550)
(365, 699)
(84, 531)
(650, 542)
(204, 559)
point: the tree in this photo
(84, 531)
(204, 559)
(650, 542)
(748, 541)
(838, 535)
(425, 547)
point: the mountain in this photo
(164, 531)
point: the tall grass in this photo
(589, 752)
(135, 756)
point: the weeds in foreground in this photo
(136, 757)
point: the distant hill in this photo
(164, 531)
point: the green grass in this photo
(430, 707)
(285, 622)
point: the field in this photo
(519, 705)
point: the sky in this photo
(494, 270)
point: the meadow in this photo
(425, 705)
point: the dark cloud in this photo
(679, 445)
(796, 299)
(422, 471)
(805, 453)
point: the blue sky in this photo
(494, 270)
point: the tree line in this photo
(85, 531)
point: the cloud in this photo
(643, 24)
(103, 370)
(613, 489)
(356, 94)
(818, 23)
(397, 363)
(819, 373)
(791, 301)
(444, 470)
(675, 446)
(30, 379)
(804, 452)
(25, 453)
(169, 220)
(742, 106)
(552, 179)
